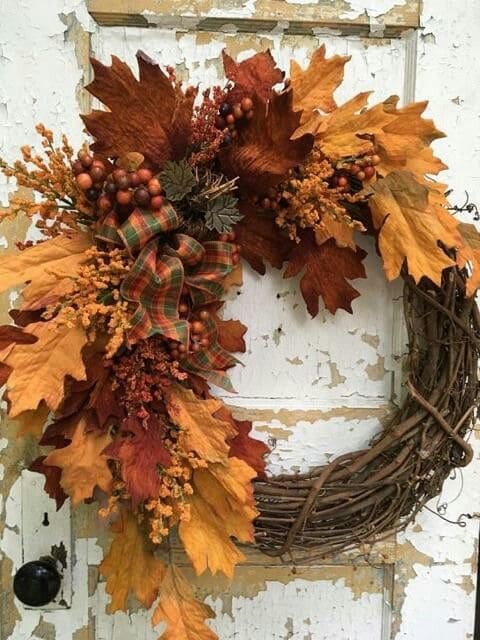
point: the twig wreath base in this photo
(364, 496)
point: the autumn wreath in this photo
(119, 331)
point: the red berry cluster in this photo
(198, 338)
(120, 187)
(360, 169)
(229, 117)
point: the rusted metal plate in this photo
(256, 16)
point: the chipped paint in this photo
(325, 386)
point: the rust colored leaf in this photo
(52, 480)
(230, 334)
(221, 507)
(148, 116)
(200, 431)
(10, 334)
(24, 318)
(314, 87)
(254, 76)
(39, 369)
(411, 227)
(102, 397)
(183, 614)
(264, 153)
(261, 240)
(248, 449)
(326, 270)
(32, 422)
(141, 450)
(130, 566)
(83, 464)
(470, 253)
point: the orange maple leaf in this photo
(82, 462)
(470, 253)
(326, 270)
(150, 115)
(411, 228)
(183, 614)
(221, 507)
(254, 76)
(313, 88)
(130, 566)
(200, 431)
(39, 369)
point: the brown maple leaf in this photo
(32, 422)
(254, 76)
(326, 270)
(263, 153)
(183, 614)
(52, 484)
(14, 335)
(141, 450)
(261, 239)
(130, 566)
(314, 87)
(150, 115)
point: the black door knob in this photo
(37, 583)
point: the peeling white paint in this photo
(373, 8)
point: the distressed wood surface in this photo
(313, 388)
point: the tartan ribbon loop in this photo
(155, 284)
(143, 226)
(189, 250)
(205, 279)
(108, 230)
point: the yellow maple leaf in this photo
(130, 565)
(221, 506)
(31, 422)
(331, 227)
(411, 228)
(470, 253)
(83, 465)
(313, 87)
(200, 432)
(45, 263)
(183, 614)
(39, 369)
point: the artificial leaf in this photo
(130, 566)
(470, 253)
(177, 180)
(338, 229)
(261, 239)
(39, 369)
(411, 228)
(14, 335)
(221, 507)
(230, 334)
(130, 161)
(183, 614)
(32, 422)
(264, 153)
(45, 263)
(22, 318)
(82, 462)
(150, 116)
(234, 278)
(326, 270)
(141, 451)
(222, 213)
(314, 87)
(102, 397)
(200, 431)
(52, 484)
(254, 76)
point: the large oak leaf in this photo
(52, 484)
(254, 76)
(314, 87)
(411, 227)
(200, 431)
(183, 614)
(263, 153)
(149, 115)
(83, 464)
(39, 369)
(326, 270)
(141, 451)
(221, 507)
(130, 565)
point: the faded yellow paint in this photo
(289, 418)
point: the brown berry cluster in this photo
(118, 189)
(229, 116)
(199, 341)
(351, 173)
(273, 199)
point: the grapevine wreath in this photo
(119, 333)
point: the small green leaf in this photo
(177, 180)
(222, 213)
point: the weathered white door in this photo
(314, 388)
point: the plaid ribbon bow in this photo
(162, 270)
